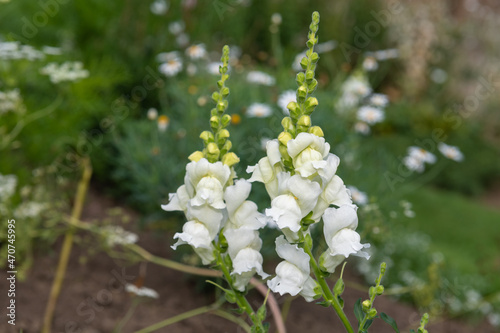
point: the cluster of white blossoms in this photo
(17, 51)
(353, 90)
(10, 101)
(300, 198)
(371, 113)
(417, 158)
(67, 71)
(451, 152)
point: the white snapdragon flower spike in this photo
(259, 110)
(451, 152)
(198, 236)
(244, 245)
(341, 237)
(297, 198)
(370, 115)
(308, 153)
(268, 168)
(292, 274)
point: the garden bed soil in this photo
(93, 300)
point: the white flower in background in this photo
(117, 235)
(8, 184)
(354, 89)
(152, 114)
(260, 78)
(243, 248)
(285, 98)
(267, 169)
(182, 39)
(358, 197)
(379, 100)
(494, 319)
(421, 154)
(439, 76)
(30, 209)
(191, 69)
(171, 67)
(196, 51)
(407, 208)
(276, 19)
(259, 110)
(213, 68)
(292, 274)
(263, 142)
(370, 115)
(10, 101)
(166, 56)
(159, 7)
(362, 128)
(385, 54)
(296, 62)
(325, 47)
(296, 198)
(414, 164)
(163, 122)
(67, 71)
(370, 64)
(451, 152)
(176, 27)
(340, 235)
(142, 291)
(50, 50)
(308, 153)
(16, 51)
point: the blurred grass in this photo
(465, 231)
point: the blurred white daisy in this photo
(152, 114)
(159, 7)
(379, 100)
(182, 39)
(362, 128)
(176, 27)
(422, 154)
(213, 67)
(196, 51)
(370, 64)
(260, 78)
(171, 67)
(325, 47)
(451, 152)
(358, 197)
(296, 62)
(259, 110)
(414, 164)
(370, 115)
(286, 97)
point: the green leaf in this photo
(358, 311)
(368, 323)
(262, 312)
(412, 331)
(326, 304)
(389, 320)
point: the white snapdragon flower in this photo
(244, 245)
(267, 169)
(196, 234)
(292, 274)
(259, 110)
(308, 153)
(285, 98)
(341, 237)
(370, 115)
(260, 78)
(297, 198)
(241, 212)
(451, 152)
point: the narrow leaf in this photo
(358, 311)
(389, 320)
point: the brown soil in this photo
(92, 299)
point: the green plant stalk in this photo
(66, 247)
(128, 315)
(327, 293)
(182, 316)
(240, 298)
(234, 319)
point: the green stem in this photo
(327, 293)
(230, 317)
(127, 316)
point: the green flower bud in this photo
(366, 305)
(338, 289)
(304, 121)
(294, 109)
(309, 75)
(214, 112)
(301, 94)
(379, 290)
(316, 130)
(213, 150)
(314, 57)
(287, 123)
(220, 84)
(310, 43)
(215, 96)
(207, 136)
(221, 106)
(372, 313)
(284, 137)
(371, 291)
(315, 17)
(304, 62)
(225, 92)
(230, 159)
(196, 156)
(227, 146)
(225, 120)
(383, 267)
(214, 123)
(223, 134)
(301, 77)
(312, 85)
(284, 154)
